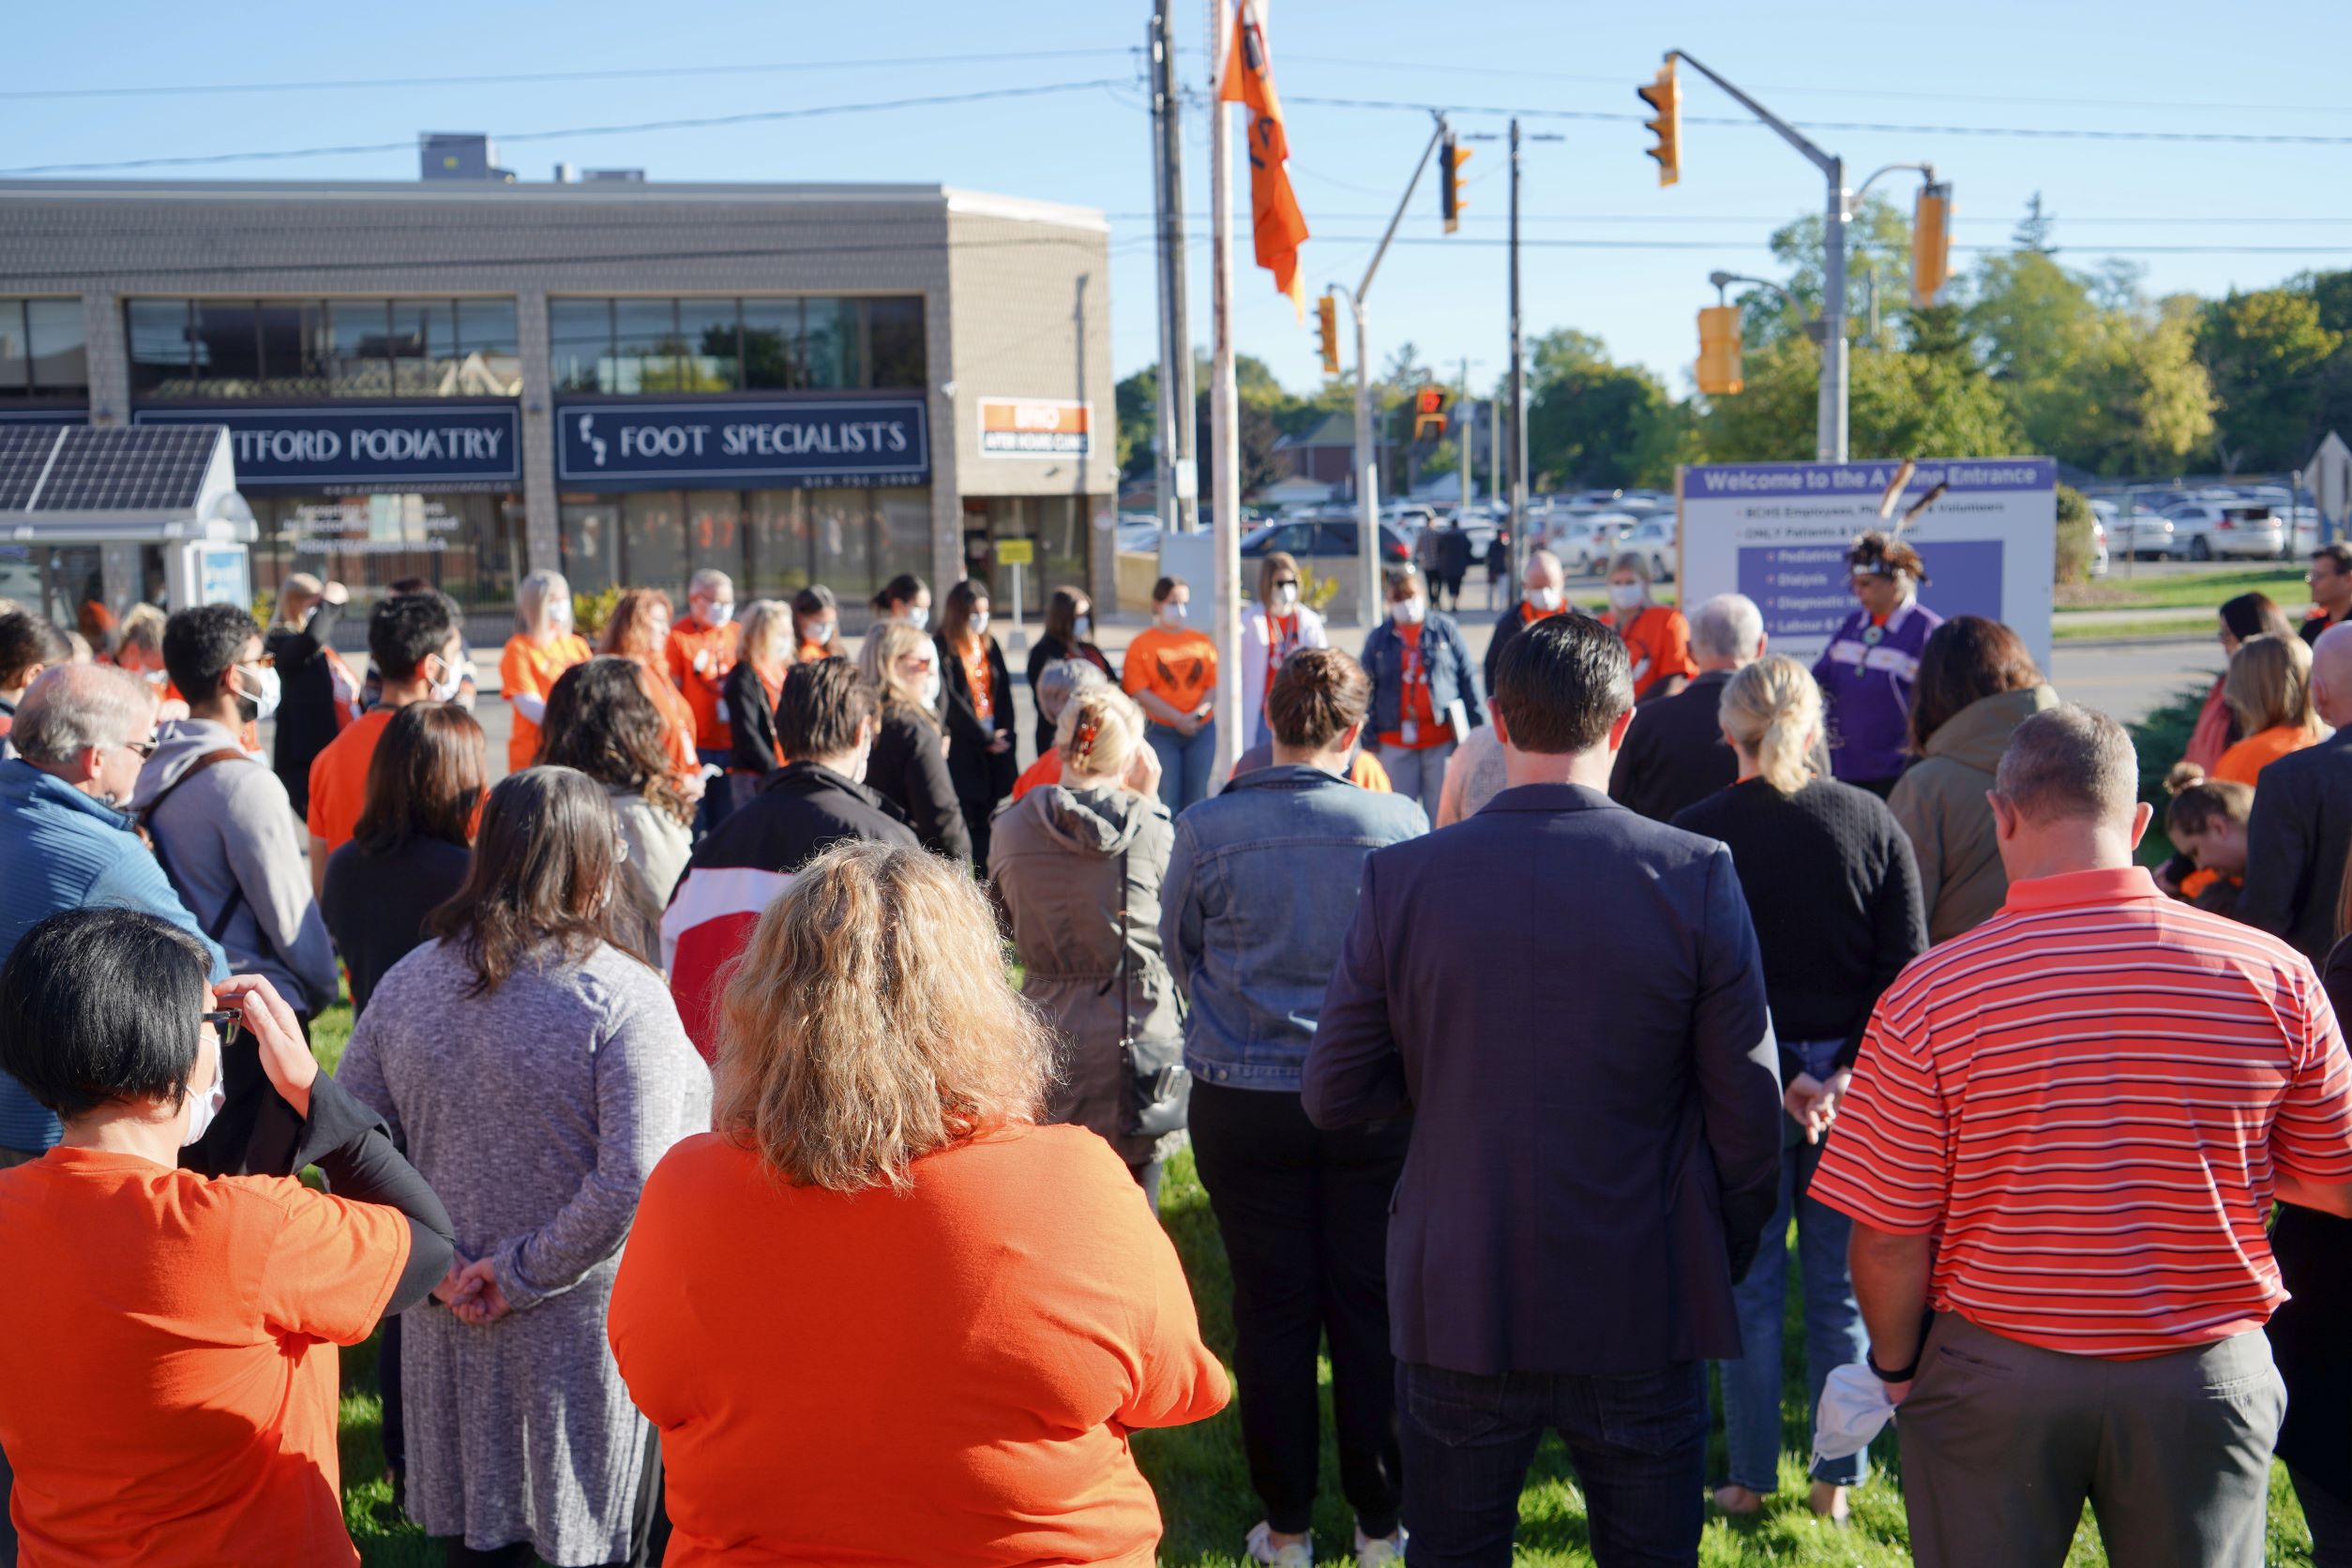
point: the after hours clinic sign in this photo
(1779, 532)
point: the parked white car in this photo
(2149, 537)
(1655, 542)
(1584, 541)
(2247, 530)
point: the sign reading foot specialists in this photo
(783, 443)
(1779, 532)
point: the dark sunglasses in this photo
(1286, 582)
(227, 1023)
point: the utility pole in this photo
(1367, 453)
(1462, 441)
(1225, 430)
(1519, 383)
(1493, 455)
(1180, 466)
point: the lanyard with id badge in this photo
(1416, 674)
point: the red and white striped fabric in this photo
(703, 931)
(2086, 1099)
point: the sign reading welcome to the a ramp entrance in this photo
(1779, 532)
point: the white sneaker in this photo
(1379, 1553)
(1259, 1547)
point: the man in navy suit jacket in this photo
(1569, 999)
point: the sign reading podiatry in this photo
(315, 446)
(782, 443)
(1779, 532)
(1035, 428)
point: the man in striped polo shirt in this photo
(2062, 1140)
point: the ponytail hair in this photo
(1098, 733)
(1772, 710)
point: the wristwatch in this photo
(1904, 1375)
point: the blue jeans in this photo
(1185, 761)
(1417, 773)
(1637, 1440)
(1833, 1327)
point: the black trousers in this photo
(1304, 1217)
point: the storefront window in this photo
(653, 542)
(778, 539)
(894, 334)
(591, 531)
(706, 332)
(903, 525)
(833, 361)
(841, 536)
(469, 546)
(42, 353)
(715, 533)
(644, 346)
(580, 342)
(771, 344)
(303, 348)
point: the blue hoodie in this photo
(62, 850)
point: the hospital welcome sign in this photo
(788, 443)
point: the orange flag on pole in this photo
(1275, 219)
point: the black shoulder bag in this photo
(1157, 1091)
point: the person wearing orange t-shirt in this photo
(169, 1348)
(639, 631)
(414, 644)
(978, 709)
(1657, 638)
(816, 626)
(899, 1323)
(2268, 688)
(698, 652)
(1171, 671)
(542, 648)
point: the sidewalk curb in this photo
(2059, 644)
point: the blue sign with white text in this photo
(787, 444)
(308, 445)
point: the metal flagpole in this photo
(1225, 427)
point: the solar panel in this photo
(24, 452)
(146, 468)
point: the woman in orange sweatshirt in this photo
(880, 1315)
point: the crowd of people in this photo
(720, 1198)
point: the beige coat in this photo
(1940, 803)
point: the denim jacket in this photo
(1448, 667)
(1260, 891)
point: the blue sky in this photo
(2249, 215)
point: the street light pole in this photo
(1519, 383)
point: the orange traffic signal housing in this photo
(1451, 157)
(1931, 243)
(1718, 369)
(1665, 96)
(1428, 413)
(1327, 327)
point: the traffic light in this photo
(1931, 243)
(1719, 350)
(1450, 160)
(1666, 95)
(1327, 328)
(1429, 412)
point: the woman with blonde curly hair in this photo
(1078, 864)
(1834, 896)
(880, 1279)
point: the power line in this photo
(511, 78)
(2058, 133)
(699, 123)
(1684, 218)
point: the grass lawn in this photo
(2174, 589)
(1203, 1486)
(2064, 629)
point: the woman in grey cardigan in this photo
(1080, 865)
(535, 1071)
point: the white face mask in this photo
(918, 615)
(446, 691)
(1544, 600)
(1627, 596)
(931, 687)
(155, 678)
(203, 1108)
(979, 623)
(1410, 613)
(717, 615)
(821, 634)
(1286, 598)
(1084, 629)
(1174, 614)
(262, 699)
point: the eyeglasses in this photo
(1286, 582)
(227, 1023)
(141, 750)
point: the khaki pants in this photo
(2003, 1443)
